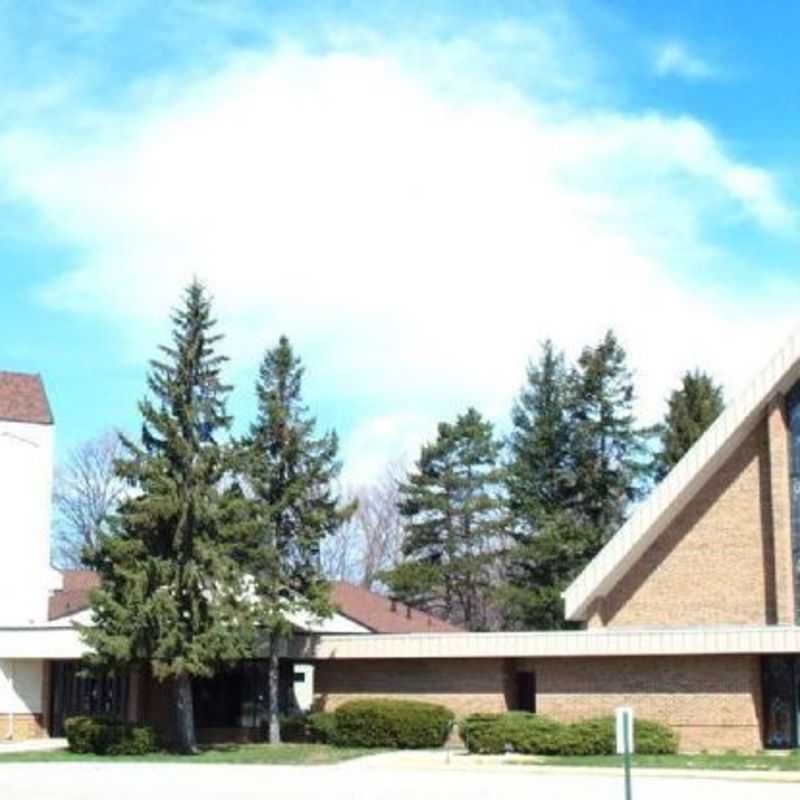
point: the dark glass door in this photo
(75, 693)
(780, 678)
(526, 691)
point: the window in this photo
(780, 678)
(793, 414)
(76, 692)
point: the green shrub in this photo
(391, 723)
(591, 737)
(519, 731)
(533, 734)
(294, 729)
(103, 736)
(322, 727)
(654, 738)
(318, 728)
(81, 734)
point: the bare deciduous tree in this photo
(86, 492)
(371, 541)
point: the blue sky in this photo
(417, 194)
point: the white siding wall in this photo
(26, 476)
(20, 686)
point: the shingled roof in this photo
(374, 611)
(23, 399)
(382, 614)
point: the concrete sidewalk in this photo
(461, 761)
(359, 780)
(33, 746)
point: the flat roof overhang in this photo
(558, 644)
(63, 641)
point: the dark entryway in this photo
(781, 680)
(526, 691)
(76, 693)
(238, 697)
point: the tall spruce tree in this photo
(171, 594)
(539, 475)
(453, 518)
(610, 452)
(691, 409)
(290, 472)
(577, 462)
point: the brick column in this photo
(780, 506)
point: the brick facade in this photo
(462, 685)
(25, 726)
(713, 702)
(716, 563)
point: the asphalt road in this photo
(353, 781)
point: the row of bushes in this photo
(401, 724)
(112, 737)
(360, 723)
(405, 725)
(533, 734)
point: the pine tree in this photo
(539, 472)
(453, 518)
(578, 461)
(290, 473)
(172, 587)
(692, 408)
(609, 449)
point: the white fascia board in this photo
(46, 642)
(683, 482)
(334, 624)
(558, 644)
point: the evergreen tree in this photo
(453, 518)
(290, 473)
(609, 450)
(171, 593)
(539, 473)
(691, 409)
(577, 462)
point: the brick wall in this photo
(26, 726)
(462, 685)
(716, 563)
(713, 702)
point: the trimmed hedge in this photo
(103, 736)
(522, 732)
(405, 724)
(519, 731)
(317, 728)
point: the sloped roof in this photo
(74, 596)
(382, 614)
(684, 481)
(366, 608)
(23, 399)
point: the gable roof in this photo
(382, 614)
(74, 596)
(23, 399)
(371, 610)
(684, 481)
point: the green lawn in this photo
(219, 754)
(734, 761)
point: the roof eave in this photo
(682, 483)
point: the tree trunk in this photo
(274, 690)
(185, 738)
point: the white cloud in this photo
(417, 231)
(674, 58)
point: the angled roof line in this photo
(682, 483)
(23, 398)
